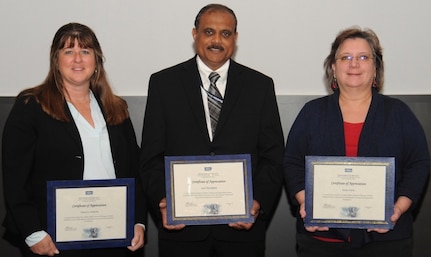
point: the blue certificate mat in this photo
(349, 192)
(208, 189)
(91, 213)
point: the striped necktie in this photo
(215, 100)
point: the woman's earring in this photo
(374, 83)
(334, 85)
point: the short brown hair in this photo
(356, 32)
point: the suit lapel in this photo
(191, 83)
(233, 90)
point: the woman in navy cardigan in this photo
(71, 127)
(356, 120)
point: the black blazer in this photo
(249, 122)
(38, 148)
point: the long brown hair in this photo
(50, 94)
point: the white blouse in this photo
(98, 163)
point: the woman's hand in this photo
(138, 238)
(45, 247)
(402, 204)
(300, 197)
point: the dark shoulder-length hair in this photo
(51, 94)
(374, 43)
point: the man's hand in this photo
(162, 206)
(247, 226)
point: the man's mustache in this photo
(217, 47)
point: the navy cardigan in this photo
(390, 130)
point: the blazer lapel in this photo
(112, 131)
(71, 127)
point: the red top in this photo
(352, 131)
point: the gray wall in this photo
(281, 233)
(286, 39)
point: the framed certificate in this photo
(349, 192)
(91, 213)
(208, 189)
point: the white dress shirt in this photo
(204, 72)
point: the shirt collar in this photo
(205, 71)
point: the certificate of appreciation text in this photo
(208, 189)
(349, 192)
(90, 213)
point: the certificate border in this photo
(388, 162)
(208, 220)
(86, 244)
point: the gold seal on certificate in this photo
(208, 189)
(349, 192)
(91, 213)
